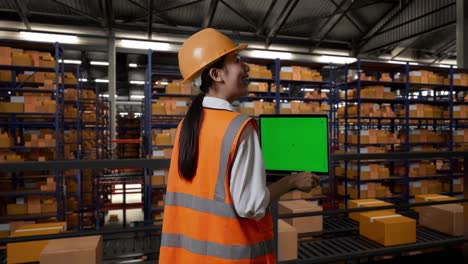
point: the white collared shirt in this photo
(249, 192)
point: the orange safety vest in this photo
(200, 223)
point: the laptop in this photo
(295, 143)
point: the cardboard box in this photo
(445, 218)
(287, 241)
(158, 180)
(34, 204)
(15, 225)
(302, 224)
(16, 209)
(4, 230)
(368, 203)
(163, 139)
(16, 252)
(388, 230)
(21, 59)
(73, 251)
(5, 76)
(426, 198)
(11, 107)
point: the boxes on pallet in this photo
(387, 229)
(302, 224)
(368, 203)
(73, 251)
(162, 139)
(445, 218)
(287, 241)
(16, 252)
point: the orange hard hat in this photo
(201, 50)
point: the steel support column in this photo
(462, 35)
(112, 87)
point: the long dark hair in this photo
(190, 131)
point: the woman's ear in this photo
(216, 74)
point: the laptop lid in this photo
(295, 143)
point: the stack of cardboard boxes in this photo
(417, 169)
(368, 171)
(371, 136)
(263, 87)
(298, 73)
(177, 87)
(170, 106)
(289, 228)
(6, 141)
(423, 136)
(40, 140)
(423, 111)
(256, 108)
(366, 190)
(38, 103)
(258, 71)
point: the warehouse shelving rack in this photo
(17, 122)
(151, 121)
(407, 97)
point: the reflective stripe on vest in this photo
(216, 206)
(228, 141)
(217, 250)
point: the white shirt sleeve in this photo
(248, 188)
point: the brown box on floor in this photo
(445, 218)
(73, 251)
(287, 241)
(16, 252)
(307, 224)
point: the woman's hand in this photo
(305, 181)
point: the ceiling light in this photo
(70, 61)
(396, 62)
(308, 89)
(136, 44)
(164, 83)
(83, 80)
(271, 54)
(102, 81)
(102, 63)
(444, 66)
(137, 82)
(132, 65)
(47, 37)
(137, 96)
(336, 59)
(413, 63)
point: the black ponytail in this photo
(190, 131)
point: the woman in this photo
(217, 198)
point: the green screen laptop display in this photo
(295, 143)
